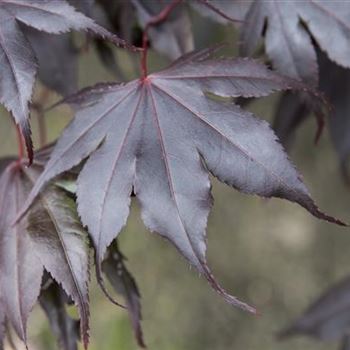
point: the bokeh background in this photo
(270, 253)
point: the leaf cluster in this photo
(157, 138)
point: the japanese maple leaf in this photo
(115, 270)
(172, 38)
(287, 38)
(160, 137)
(327, 318)
(53, 300)
(222, 11)
(124, 283)
(294, 110)
(57, 59)
(49, 237)
(17, 59)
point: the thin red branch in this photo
(215, 9)
(157, 19)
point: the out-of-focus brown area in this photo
(270, 253)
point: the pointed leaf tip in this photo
(311, 206)
(230, 299)
(101, 283)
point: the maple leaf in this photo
(222, 11)
(124, 283)
(120, 18)
(335, 84)
(115, 270)
(159, 137)
(53, 301)
(327, 318)
(172, 38)
(57, 59)
(86, 6)
(50, 236)
(291, 111)
(294, 109)
(287, 37)
(17, 59)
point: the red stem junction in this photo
(157, 19)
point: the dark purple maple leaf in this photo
(53, 300)
(172, 38)
(57, 59)
(17, 59)
(49, 237)
(294, 109)
(222, 11)
(335, 84)
(291, 111)
(160, 137)
(113, 266)
(327, 318)
(287, 37)
(124, 283)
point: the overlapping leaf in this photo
(85, 6)
(222, 11)
(20, 269)
(53, 301)
(49, 237)
(328, 318)
(57, 60)
(159, 137)
(173, 37)
(287, 39)
(293, 110)
(17, 59)
(335, 83)
(123, 283)
(115, 270)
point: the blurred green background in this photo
(270, 253)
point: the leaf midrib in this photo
(169, 177)
(109, 182)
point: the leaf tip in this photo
(331, 219)
(102, 285)
(230, 299)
